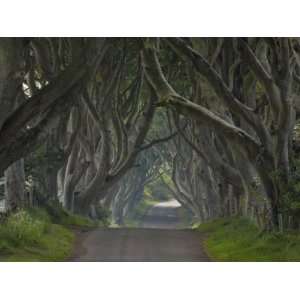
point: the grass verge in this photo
(236, 239)
(39, 235)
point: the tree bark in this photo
(15, 196)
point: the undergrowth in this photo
(237, 239)
(40, 234)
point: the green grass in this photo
(60, 216)
(40, 235)
(237, 239)
(77, 220)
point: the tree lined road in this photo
(163, 215)
(158, 240)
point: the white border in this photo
(148, 281)
(150, 18)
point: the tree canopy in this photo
(89, 122)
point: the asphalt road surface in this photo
(163, 215)
(158, 239)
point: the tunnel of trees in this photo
(89, 122)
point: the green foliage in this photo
(56, 212)
(40, 234)
(43, 158)
(157, 191)
(290, 196)
(22, 228)
(143, 206)
(40, 165)
(30, 236)
(77, 220)
(103, 214)
(60, 216)
(237, 239)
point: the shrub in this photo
(103, 214)
(60, 216)
(30, 235)
(23, 228)
(290, 197)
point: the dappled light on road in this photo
(163, 215)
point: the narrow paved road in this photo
(163, 215)
(157, 240)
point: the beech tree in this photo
(84, 115)
(260, 138)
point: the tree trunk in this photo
(15, 196)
